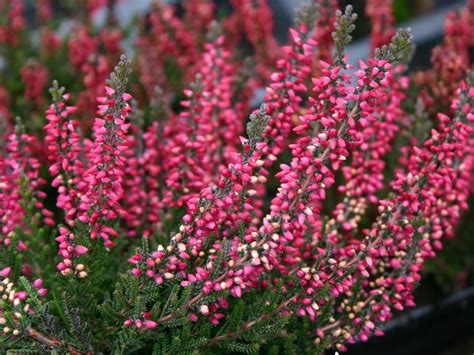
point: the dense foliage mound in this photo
(146, 212)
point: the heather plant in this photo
(146, 208)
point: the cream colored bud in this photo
(252, 192)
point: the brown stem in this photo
(251, 323)
(51, 342)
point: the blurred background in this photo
(425, 17)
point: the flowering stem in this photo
(246, 326)
(50, 342)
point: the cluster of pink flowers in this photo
(89, 191)
(229, 203)
(44, 11)
(325, 26)
(450, 60)
(382, 20)
(19, 177)
(64, 151)
(428, 199)
(199, 15)
(364, 176)
(16, 304)
(342, 121)
(100, 201)
(168, 41)
(206, 130)
(280, 242)
(172, 183)
(35, 77)
(256, 19)
(94, 66)
(13, 21)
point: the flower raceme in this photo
(179, 224)
(202, 146)
(282, 226)
(100, 201)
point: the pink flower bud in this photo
(80, 249)
(5, 272)
(150, 324)
(38, 283)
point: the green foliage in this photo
(399, 49)
(344, 26)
